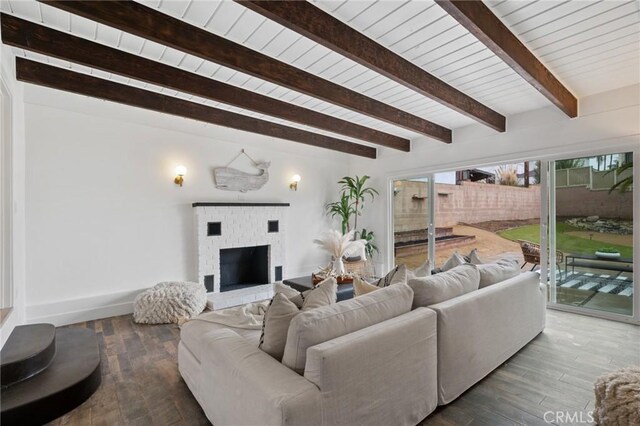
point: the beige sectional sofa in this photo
(479, 331)
(365, 361)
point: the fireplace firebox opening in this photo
(244, 267)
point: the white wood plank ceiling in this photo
(591, 46)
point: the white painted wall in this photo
(608, 122)
(105, 219)
(7, 74)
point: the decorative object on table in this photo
(353, 193)
(181, 171)
(294, 182)
(230, 179)
(318, 277)
(607, 253)
(617, 401)
(169, 302)
(339, 245)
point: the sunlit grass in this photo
(565, 243)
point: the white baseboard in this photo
(72, 311)
(84, 309)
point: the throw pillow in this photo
(474, 258)
(275, 325)
(324, 293)
(361, 287)
(284, 306)
(423, 270)
(292, 294)
(456, 259)
(397, 275)
(492, 273)
(444, 286)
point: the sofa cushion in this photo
(491, 273)
(193, 335)
(328, 322)
(282, 310)
(445, 285)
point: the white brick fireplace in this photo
(251, 226)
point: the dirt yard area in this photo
(501, 225)
(490, 246)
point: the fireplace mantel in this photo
(207, 204)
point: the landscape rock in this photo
(607, 226)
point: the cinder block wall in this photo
(469, 202)
(579, 201)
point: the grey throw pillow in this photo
(474, 258)
(423, 270)
(397, 275)
(446, 285)
(284, 306)
(456, 259)
(503, 269)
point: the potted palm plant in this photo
(354, 193)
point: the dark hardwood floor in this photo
(554, 373)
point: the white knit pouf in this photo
(618, 398)
(169, 302)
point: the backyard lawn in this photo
(565, 242)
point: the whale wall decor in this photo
(230, 179)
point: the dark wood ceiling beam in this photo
(313, 23)
(37, 38)
(135, 18)
(478, 19)
(69, 81)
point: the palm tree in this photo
(626, 183)
(572, 163)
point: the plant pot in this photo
(603, 255)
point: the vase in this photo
(338, 267)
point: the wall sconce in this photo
(181, 171)
(294, 182)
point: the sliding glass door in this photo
(413, 235)
(590, 234)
